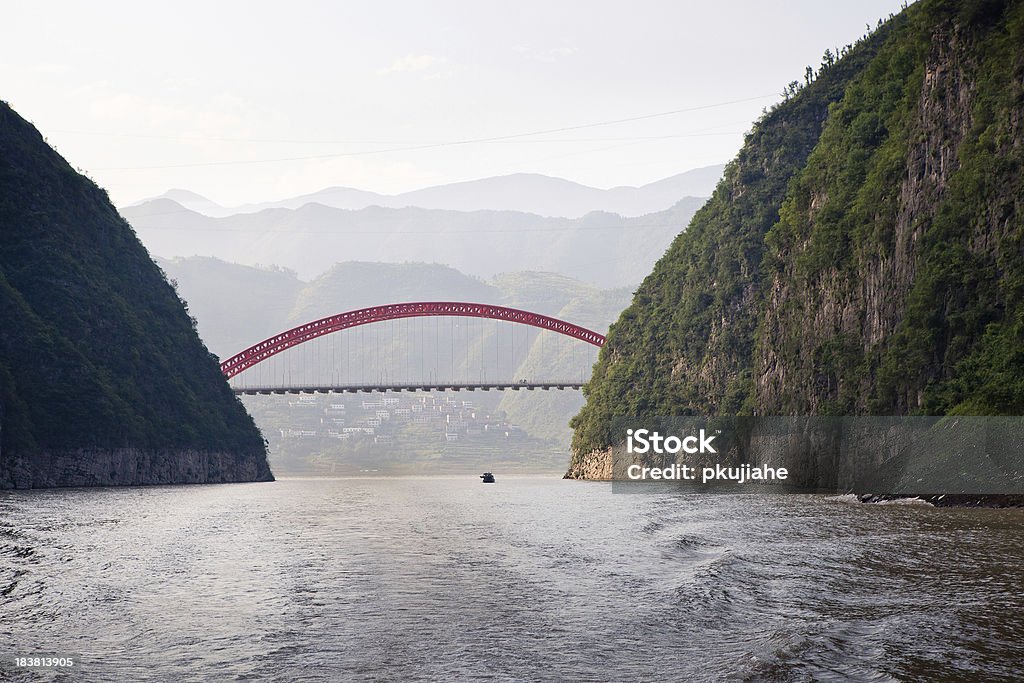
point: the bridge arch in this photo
(257, 353)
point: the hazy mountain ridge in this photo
(522, 192)
(603, 249)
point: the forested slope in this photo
(862, 254)
(103, 379)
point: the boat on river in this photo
(487, 477)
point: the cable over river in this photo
(417, 579)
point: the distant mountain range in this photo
(523, 192)
(604, 249)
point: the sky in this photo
(258, 101)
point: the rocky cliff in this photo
(897, 255)
(103, 379)
(862, 254)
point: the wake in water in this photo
(412, 579)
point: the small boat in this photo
(487, 477)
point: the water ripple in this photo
(533, 579)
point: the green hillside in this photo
(103, 379)
(862, 254)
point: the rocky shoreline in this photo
(130, 467)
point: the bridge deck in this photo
(429, 386)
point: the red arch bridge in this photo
(419, 346)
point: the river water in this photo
(529, 579)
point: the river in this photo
(532, 578)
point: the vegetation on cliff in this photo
(97, 352)
(862, 254)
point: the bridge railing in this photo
(413, 387)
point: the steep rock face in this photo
(595, 465)
(862, 254)
(685, 345)
(897, 250)
(103, 379)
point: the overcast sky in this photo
(252, 101)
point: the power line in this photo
(185, 137)
(450, 143)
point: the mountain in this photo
(861, 256)
(354, 284)
(103, 379)
(194, 202)
(522, 192)
(337, 197)
(547, 196)
(604, 249)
